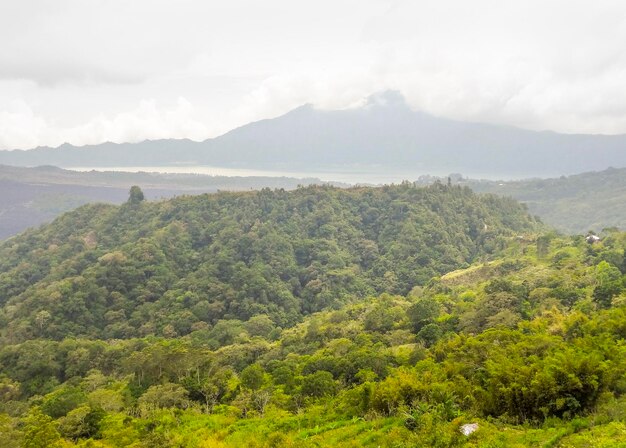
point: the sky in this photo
(89, 71)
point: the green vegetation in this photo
(573, 204)
(170, 268)
(500, 324)
(32, 196)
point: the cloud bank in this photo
(92, 71)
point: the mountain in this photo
(106, 271)
(33, 196)
(384, 134)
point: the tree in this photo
(41, 319)
(9, 434)
(430, 334)
(82, 422)
(319, 384)
(212, 386)
(40, 431)
(9, 390)
(261, 399)
(165, 396)
(608, 283)
(108, 400)
(543, 245)
(63, 400)
(136, 195)
(423, 312)
(260, 325)
(253, 377)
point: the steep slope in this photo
(170, 267)
(383, 134)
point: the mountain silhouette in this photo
(383, 134)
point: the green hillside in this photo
(165, 268)
(458, 310)
(33, 196)
(572, 204)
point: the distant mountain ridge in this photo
(385, 133)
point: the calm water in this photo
(351, 176)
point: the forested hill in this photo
(572, 204)
(526, 350)
(33, 196)
(168, 268)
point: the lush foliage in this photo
(33, 196)
(169, 268)
(528, 344)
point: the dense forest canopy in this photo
(535, 337)
(165, 268)
(396, 316)
(32, 196)
(37, 195)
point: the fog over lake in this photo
(357, 175)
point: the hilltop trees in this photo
(135, 195)
(172, 267)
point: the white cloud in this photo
(80, 68)
(20, 127)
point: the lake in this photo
(364, 175)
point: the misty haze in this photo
(327, 224)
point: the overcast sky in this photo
(87, 71)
